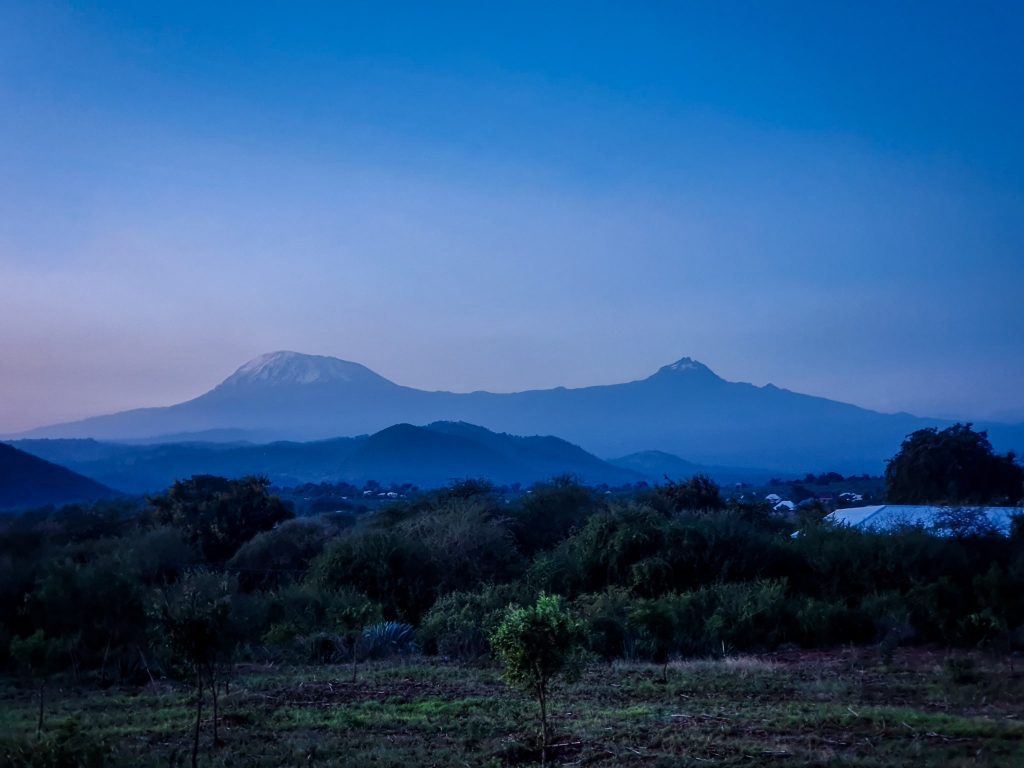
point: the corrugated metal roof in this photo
(887, 517)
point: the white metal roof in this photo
(886, 517)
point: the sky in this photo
(825, 196)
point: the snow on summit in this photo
(295, 368)
(687, 364)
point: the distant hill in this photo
(682, 409)
(426, 456)
(28, 481)
(657, 465)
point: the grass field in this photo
(844, 708)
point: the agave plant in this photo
(387, 638)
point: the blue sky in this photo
(826, 196)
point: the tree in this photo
(657, 624)
(954, 466)
(537, 645)
(219, 515)
(389, 567)
(38, 656)
(193, 618)
(700, 492)
(550, 511)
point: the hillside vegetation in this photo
(196, 583)
(27, 481)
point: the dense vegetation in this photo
(448, 562)
(213, 572)
(955, 465)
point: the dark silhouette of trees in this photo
(102, 592)
(218, 515)
(954, 466)
(699, 493)
(193, 620)
(550, 511)
(39, 656)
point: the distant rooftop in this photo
(938, 519)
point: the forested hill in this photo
(429, 456)
(28, 481)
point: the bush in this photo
(538, 645)
(309, 624)
(394, 570)
(550, 511)
(217, 515)
(458, 625)
(468, 542)
(283, 554)
(609, 630)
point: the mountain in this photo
(28, 481)
(143, 468)
(657, 465)
(425, 456)
(683, 409)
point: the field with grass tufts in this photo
(845, 708)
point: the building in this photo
(937, 519)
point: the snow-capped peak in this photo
(295, 368)
(686, 365)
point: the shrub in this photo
(458, 625)
(387, 638)
(538, 645)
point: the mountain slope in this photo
(28, 481)
(657, 465)
(683, 408)
(425, 456)
(148, 468)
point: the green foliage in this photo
(38, 655)
(657, 628)
(458, 624)
(955, 466)
(160, 554)
(606, 616)
(283, 554)
(394, 570)
(649, 581)
(387, 638)
(539, 644)
(549, 512)
(304, 623)
(218, 515)
(467, 540)
(192, 619)
(637, 547)
(699, 494)
(95, 599)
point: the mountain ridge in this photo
(428, 456)
(683, 408)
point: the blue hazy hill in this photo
(29, 481)
(428, 456)
(683, 409)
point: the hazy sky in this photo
(825, 196)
